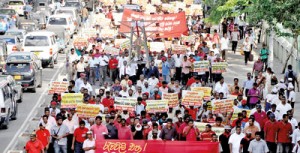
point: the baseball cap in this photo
(53, 103)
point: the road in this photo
(31, 106)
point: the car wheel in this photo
(5, 124)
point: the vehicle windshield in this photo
(17, 67)
(58, 21)
(15, 3)
(64, 12)
(2, 17)
(13, 33)
(36, 41)
(72, 4)
(9, 40)
(18, 57)
(6, 11)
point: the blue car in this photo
(5, 23)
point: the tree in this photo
(274, 12)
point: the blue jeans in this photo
(59, 148)
(78, 147)
(166, 78)
(267, 107)
(97, 73)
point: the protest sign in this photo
(219, 67)
(190, 39)
(167, 25)
(206, 91)
(157, 46)
(89, 32)
(192, 98)
(80, 42)
(125, 103)
(201, 66)
(168, 44)
(188, 2)
(70, 100)
(107, 2)
(87, 110)
(154, 106)
(108, 33)
(221, 106)
(121, 2)
(178, 49)
(201, 128)
(111, 50)
(117, 18)
(172, 99)
(236, 111)
(58, 87)
(125, 44)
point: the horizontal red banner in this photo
(158, 146)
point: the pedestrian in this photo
(99, 130)
(113, 65)
(224, 42)
(186, 65)
(235, 140)
(89, 144)
(103, 63)
(253, 95)
(79, 138)
(59, 133)
(245, 142)
(44, 136)
(34, 145)
(235, 37)
(293, 75)
(168, 132)
(283, 135)
(283, 107)
(296, 148)
(247, 50)
(191, 132)
(258, 145)
(264, 55)
(258, 67)
(207, 134)
(224, 138)
(296, 135)
(270, 129)
(252, 128)
(124, 132)
(166, 70)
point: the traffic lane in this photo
(29, 101)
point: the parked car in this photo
(24, 70)
(8, 105)
(62, 36)
(73, 3)
(17, 88)
(12, 14)
(17, 5)
(16, 32)
(13, 43)
(43, 44)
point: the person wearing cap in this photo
(283, 134)
(43, 135)
(292, 95)
(34, 145)
(79, 137)
(89, 145)
(99, 130)
(224, 138)
(283, 107)
(246, 141)
(258, 145)
(166, 69)
(270, 132)
(235, 140)
(53, 107)
(59, 133)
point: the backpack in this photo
(291, 75)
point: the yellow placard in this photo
(205, 90)
(154, 106)
(70, 100)
(192, 98)
(172, 99)
(87, 110)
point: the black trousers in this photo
(69, 142)
(247, 56)
(241, 29)
(178, 73)
(185, 78)
(272, 147)
(234, 45)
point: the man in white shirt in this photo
(296, 134)
(103, 62)
(141, 81)
(139, 106)
(93, 64)
(89, 144)
(283, 107)
(221, 86)
(224, 46)
(178, 65)
(124, 92)
(153, 81)
(235, 140)
(87, 86)
(125, 69)
(71, 126)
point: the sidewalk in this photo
(238, 69)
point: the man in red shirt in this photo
(270, 130)
(79, 137)
(190, 81)
(34, 145)
(191, 132)
(44, 136)
(192, 111)
(207, 134)
(108, 101)
(124, 132)
(113, 65)
(260, 116)
(182, 126)
(283, 135)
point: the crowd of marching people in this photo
(265, 124)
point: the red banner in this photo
(158, 146)
(165, 26)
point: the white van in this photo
(8, 106)
(72, 11)
(43, 44)
(17, 5)
(65, 20)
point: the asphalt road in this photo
(30, 106)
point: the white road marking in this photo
(22, 128)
